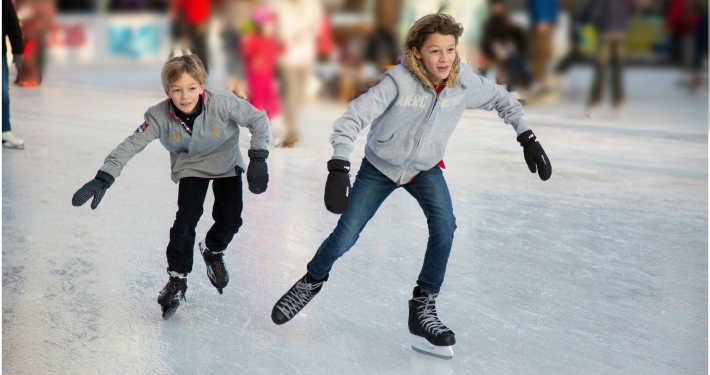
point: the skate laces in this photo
(174, 285)
(427, 314)
(297, 298)
(218, 265)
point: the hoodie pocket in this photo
(389, 149)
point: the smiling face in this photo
(185, 93)
(437, 54)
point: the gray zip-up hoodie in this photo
(212, 151)
(410, 124)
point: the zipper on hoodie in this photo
(426, 122)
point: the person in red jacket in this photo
(681, 24)
(261, 50)
(193, 17)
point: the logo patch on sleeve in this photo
(143, 127)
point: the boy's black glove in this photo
(95, 188)
(258, 172)
(535, 156)
(337, 187)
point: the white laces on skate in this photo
(427, 315)
(297, 298)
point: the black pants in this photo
(227, 215)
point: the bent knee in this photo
(445, 223)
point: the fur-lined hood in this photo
(419, 71)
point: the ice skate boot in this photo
(216, 270)
(429, 335)
(174, 291)
(9, 140)
(296, 299)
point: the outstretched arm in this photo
(246, 115)
(489, 96)
(115, 162)
(133, 144)
(361, 112)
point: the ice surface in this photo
(602, 269)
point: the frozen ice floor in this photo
(601, 270)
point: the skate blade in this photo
(15, 147)
(169, 312)
(220, 290)
(421, 345)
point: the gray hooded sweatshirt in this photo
(212, 151)
(410, 124)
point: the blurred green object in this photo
(645, 33)
(248, 27)
(642, 38)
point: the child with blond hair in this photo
(200, 128)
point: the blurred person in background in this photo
(611, 19)
(261, 50)
(681, 23)
(700, 8)
(36, 17)
(505, 44)
(235, 16)
(299, 24)
(573, 7)
(11, 29)
(190, 19)
(382, 48)
(543, 18)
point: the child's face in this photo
(437, 54)
(185, 93)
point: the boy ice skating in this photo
(412, 113)
(200, 129)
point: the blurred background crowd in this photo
(278, 53)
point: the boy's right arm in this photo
(133, 144)
(114, 162)
(361, 112)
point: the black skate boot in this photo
(429, 335)
(296, 299)
(174, 291)
(216, 270)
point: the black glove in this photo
(95, 188)
(258, 172)
(337, 187)
(535, 156)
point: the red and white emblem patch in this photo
(143, 127)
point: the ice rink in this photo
(603, 269)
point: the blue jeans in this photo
(5, 96)
(371, 188)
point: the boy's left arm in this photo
(483, 93)
(248, 116)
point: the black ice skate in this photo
(174, 291)
(216, 270)
(429, 335)
(296, 299)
